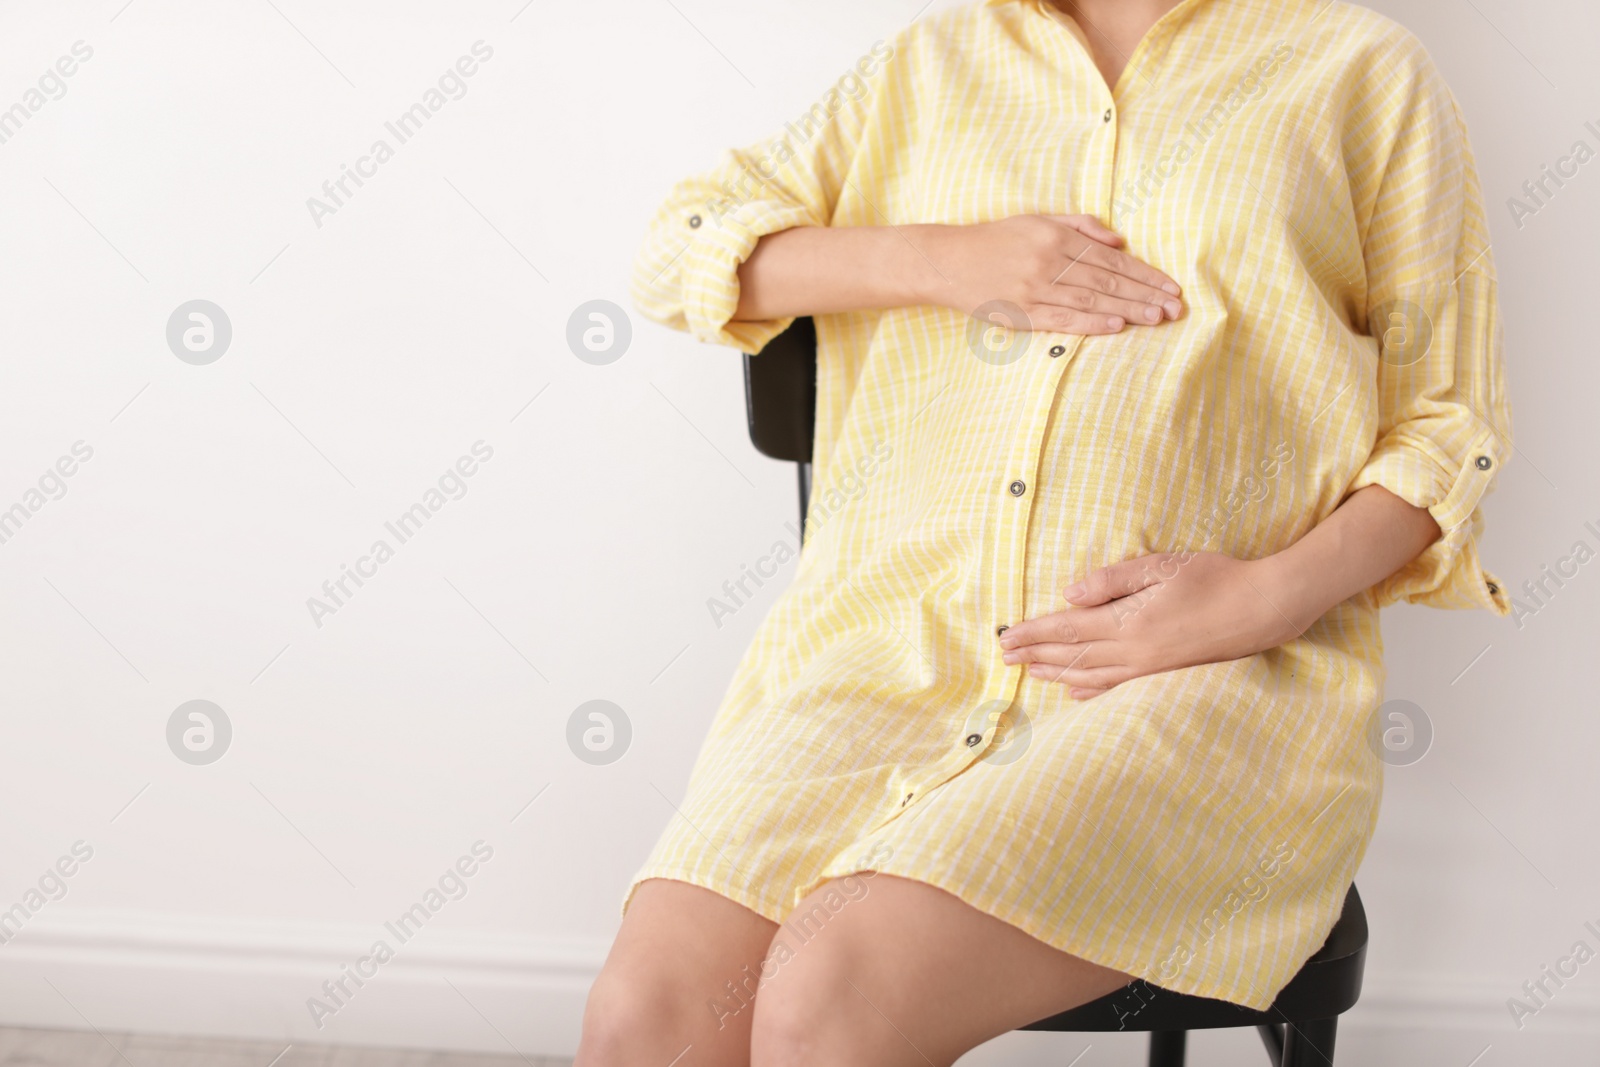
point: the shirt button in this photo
(1484, 463)
(1493, 589)
(1058, 350)
(998, 630)
(907, 800)
(1019, 487)
(973, 739)
(1107, 116)
(694, 222)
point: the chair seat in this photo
(1328, 985)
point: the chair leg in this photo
(1167, 1047)
(1272, 1037)
(1310, 1044)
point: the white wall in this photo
(429, 313)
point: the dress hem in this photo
(1021, 922)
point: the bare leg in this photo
(656, 999)
(902, 973)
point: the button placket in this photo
(1011, 531)
(1093, 184)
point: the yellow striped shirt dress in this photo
(1302, 170)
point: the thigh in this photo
(885, 970)
(679, 983)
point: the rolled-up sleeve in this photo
(1444, 426)
(686, 273)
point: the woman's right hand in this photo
(1065, 272)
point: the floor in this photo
(71, 1048)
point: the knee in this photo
(803, 1016)
(625, 1016)
(646, 1011)
(787, 1029)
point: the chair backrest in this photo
(780, 393)
(780, 400)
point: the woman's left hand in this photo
(1151, 614)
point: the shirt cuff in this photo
(1448, 573)
(709, 270)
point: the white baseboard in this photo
(488, 992)
(1473, 1004)
(448, 989)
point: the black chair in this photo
(1299, 1028)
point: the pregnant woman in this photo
(1157, 351)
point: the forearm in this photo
(814, 270)
(1367, 538)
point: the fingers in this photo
(1127, 266)
(1085, 655)
(1075, 626)
(1107, 254)
(1121, 579)
(1053, 318)
(1100, 678)
(1088, 668)
(1133, 303)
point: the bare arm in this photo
(814, 270)
(1367, 538)
(1178, 609)
(1064, 272)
